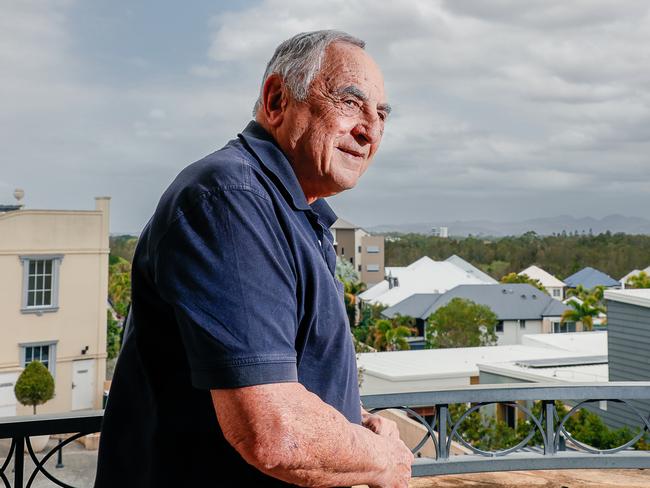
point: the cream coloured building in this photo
(365, 252)
(53, 302)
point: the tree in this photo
(119, 286)
(35, 385)
(581, 311)
(113, 336)
(523, 278)
(588, 303)
(391, 334)
(461, 323)
(352, 287)
(640, 280)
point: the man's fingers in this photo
(381, 426)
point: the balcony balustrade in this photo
(550, 425)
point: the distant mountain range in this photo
(543, 226)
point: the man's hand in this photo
(398, 473)
(379, 425)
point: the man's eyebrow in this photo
(357, 93)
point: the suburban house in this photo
(520, 308)
(635, 272)
(364, 251)
(589, 278)
(423, 276)
(553, 286)
(54, 268)
(548, 358)
(428, 369)
(628, 324)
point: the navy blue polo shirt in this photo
(233, 285)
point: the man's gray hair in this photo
(298, 60)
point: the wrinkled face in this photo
(332, 136)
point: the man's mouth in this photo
(351, 152)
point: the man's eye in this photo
(351, 102)
(382, 116)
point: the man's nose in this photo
(368, 130)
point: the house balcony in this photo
(441, 450)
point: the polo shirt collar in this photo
(271, 156)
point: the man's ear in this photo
(274, 99)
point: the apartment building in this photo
(364, 251)
(53, 302)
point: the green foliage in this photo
(368, 315)
(119, 285)
(345, 271)
(585, 426)
(391, 334)
(352, 287)
(461, 323)
(522, 278)
(560, 255)
(35, 385)
(640, 280)
(113, 336)
(588, 306)
(122, 247)
(485, 432)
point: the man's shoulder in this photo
(230, 168)
(225, 173)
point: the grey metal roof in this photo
(589, 278)
(555, 308)
(413, 306)
(507, 301)
(471, 269)
(343, 224)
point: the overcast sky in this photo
(503, 109)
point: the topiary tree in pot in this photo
(35, 385)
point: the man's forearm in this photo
(306, 442)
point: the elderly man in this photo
(237, 367)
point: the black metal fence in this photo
(20, 429)
(439, 427)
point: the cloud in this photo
(493, 101)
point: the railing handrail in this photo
(505, 392)
(67, 422)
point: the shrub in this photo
(35, 385)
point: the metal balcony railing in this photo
(550, 424)
(20, 429)
(441, 429)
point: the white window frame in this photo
(373, 249)
(54, 303)
(370, 268)
(51, 354)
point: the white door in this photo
(83, 384)
(7, 397)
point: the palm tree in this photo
(579, 292)
(581, 311)
(351, 291)
(641, 280)
(390, 335)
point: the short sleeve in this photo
(224, 267)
